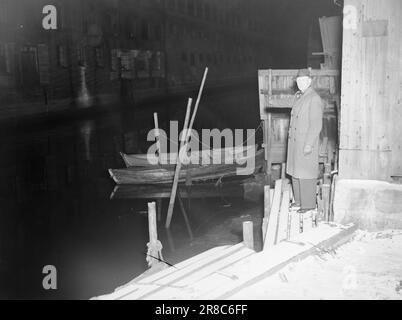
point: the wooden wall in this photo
(371, 109)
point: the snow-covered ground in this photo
(369, 267)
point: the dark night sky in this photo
(292, 19)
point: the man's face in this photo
(303, 83)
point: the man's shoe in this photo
(295, 205)
(305, 210)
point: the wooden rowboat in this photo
(231, 188)
(165, 174)
(205, 156)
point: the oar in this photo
(197, 103)
(178, 168)
(187, 132)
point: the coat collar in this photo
(306, 93)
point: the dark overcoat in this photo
(305, 127)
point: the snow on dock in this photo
(223, 272)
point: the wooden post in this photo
(283, 171)
(283, 223)
(326, 191)
(153, 233)
(330, 156)
(268, 145)
(331, 203)
(157, 137)
(267, 210)
(248, 235)
(270, 237)
(301, 222)
(178, 168)
(336, 158)
(154, 253)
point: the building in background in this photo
(130, 49)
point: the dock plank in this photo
(222, 273)
(270, 237)
(184, 264)
(179, 274)
(268, 262)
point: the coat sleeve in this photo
(315, 121)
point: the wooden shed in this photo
(370, 156)
(371, 107)
(277, 89)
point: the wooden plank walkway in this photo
(221, 272)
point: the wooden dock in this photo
(221, 272)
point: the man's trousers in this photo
(305, 192)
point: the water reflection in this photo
(86, 131)
(84, 97)
(55, 205)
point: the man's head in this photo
(303, 79)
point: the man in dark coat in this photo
(303, 142)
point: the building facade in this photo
(128, 49)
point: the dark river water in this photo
(55, 206)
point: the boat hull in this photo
(215, 156)
(164, 175)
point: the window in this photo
(4, 12)
(9, 52)
(171, 4)
(184, 57)
(182, 6)
(62, 56)
(200, 9)
(81, 55)
(192, 59)
(107, 23)
(158, 32)
(144, 30)
(172, 29)
(207, 11)
(100, 59)
(214, 16)
(201, 58)
(190, 7)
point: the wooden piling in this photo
(270, 238)
(152, 226)
(283, 171)
(267, 210)
(326, 191)
(248, 234)
(154, 253)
